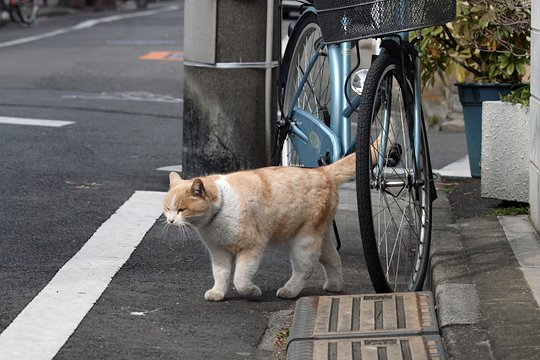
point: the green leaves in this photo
(521, 95)
(503, 60)
(461, 74)
(488, 42)
(521, 67)
(510, 69)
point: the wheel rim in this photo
(398, 202)
(315, 95)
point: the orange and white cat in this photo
(239, 214)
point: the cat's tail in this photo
(343, 169)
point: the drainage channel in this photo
(367, 326)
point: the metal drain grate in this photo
(374, 326)
(383, 348)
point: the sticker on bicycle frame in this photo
(314, 140)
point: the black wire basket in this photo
(346, 20)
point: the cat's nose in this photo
(171, 221)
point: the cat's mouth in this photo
(176, 222)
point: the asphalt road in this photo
(58, 185)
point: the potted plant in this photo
(487, 47)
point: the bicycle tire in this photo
(315, 97)
(27, 11)
(392, 206)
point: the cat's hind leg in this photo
(331, 263)
(221, 269)
(303, 253)
(247, 263)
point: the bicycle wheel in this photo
(315, 94)
(27, 11)
(393, 192)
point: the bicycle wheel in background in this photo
(315, 95)
(394, 206)
(26, 11)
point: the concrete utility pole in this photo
(230, 53)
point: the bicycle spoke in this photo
(399, 198)
(397, 243)
(312, 91)
(311, 83)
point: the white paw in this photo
(333, 286)
(286, 293)
(214, 295)
(252, 291)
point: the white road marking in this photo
(33, 122)
(85, 25)
(137, 313)
(459, 168)
(177, 168)
(43, 327)
(127, 96)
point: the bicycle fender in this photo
(392, 47)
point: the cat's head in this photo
(188, 201)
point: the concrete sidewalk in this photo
(483, 288)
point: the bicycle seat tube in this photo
(340, 67)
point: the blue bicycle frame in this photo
(313, 140)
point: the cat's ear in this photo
(197, 188)
(174, 179)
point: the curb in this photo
(448, 277)
(485, 306)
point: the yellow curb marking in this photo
(164, 56)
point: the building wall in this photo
(534, 165)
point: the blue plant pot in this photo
(471, 96)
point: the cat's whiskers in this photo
(191, 227)
(188, 232)
(164, 228)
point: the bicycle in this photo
(319, 91)
(21, 11)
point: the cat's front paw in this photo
(251, 291)
(286, 293)
(333, 286)
(214, 295)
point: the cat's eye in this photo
(180, 210)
